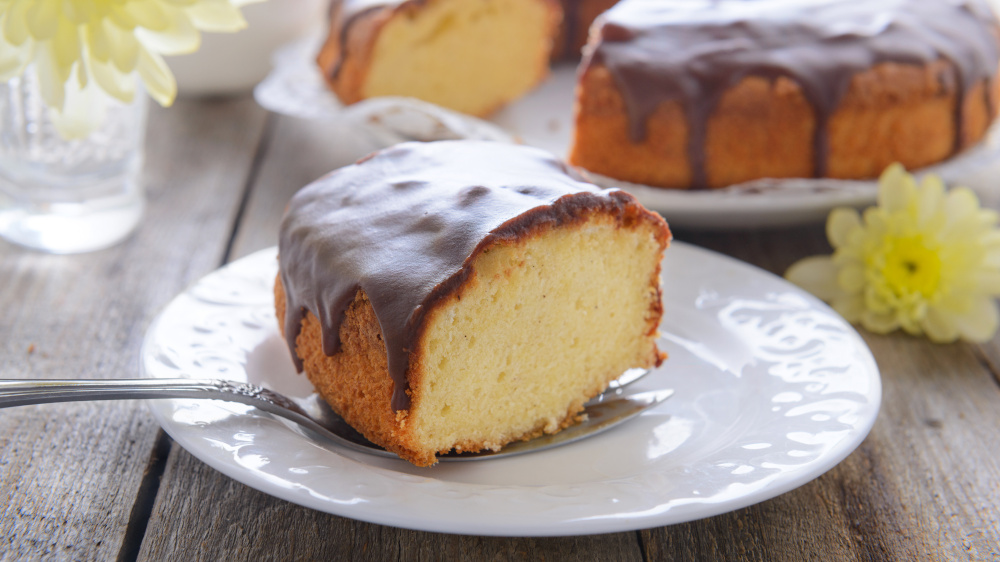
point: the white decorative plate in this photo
(543, 118)
(772, 390)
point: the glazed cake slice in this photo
(472, 56)
(460, 295)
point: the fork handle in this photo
(17, 392)
(21, 392)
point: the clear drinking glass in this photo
(68, 196)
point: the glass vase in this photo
(68, 196)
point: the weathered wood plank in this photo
(203, 515)
(69, 473)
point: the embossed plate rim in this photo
(773, 389)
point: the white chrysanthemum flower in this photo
(924, 260)
(85, 50)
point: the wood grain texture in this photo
(203, 515)
(69, 473)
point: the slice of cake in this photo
(472, 56)
(460, 295)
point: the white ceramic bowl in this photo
(233, 63)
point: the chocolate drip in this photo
(694, 51)
(402, 225)
(570, 27)
(343, 14)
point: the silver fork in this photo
(602, 413)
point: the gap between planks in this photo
(984, 359)
(149, 488)
(258, 159)
(145, 498)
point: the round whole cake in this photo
(465, 294)
(709, 93)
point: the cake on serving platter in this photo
(710, 93)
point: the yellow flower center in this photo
(910, 267)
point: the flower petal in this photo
(218, 16)
(157, 78)
(980, 323)
(842, 223)
(82, 113)
(961, 205)
(939, 326)
(43, 19)
(879, 300)
(15, 26)
(180, 36)
(816, 274)
(930, 204)
(988, 281)
(66, 44)
(851, 278)
(119, 17)
(124, 47)
(149, 15)
(991, 248)
(117, 84)
(79, 12)
(50, 78)
(895, 189)
(876, 223)
(879, 323)
(82, 76)
(851, 307)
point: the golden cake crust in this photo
(764, 128)
(355, 382)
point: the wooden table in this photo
(101, 481)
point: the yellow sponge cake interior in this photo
(472, 56)
(541, 325)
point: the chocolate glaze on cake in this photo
(402, 225)
(570, 23)
(694, 50)
(347, 11)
